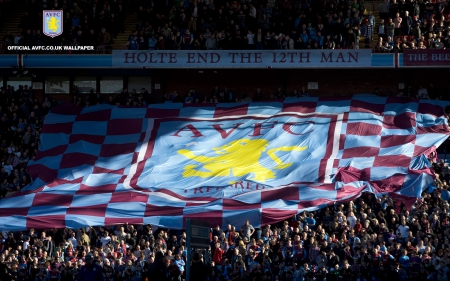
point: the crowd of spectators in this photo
(245, 24)
(415, 25)
(365, 239)
(20, 125)
(227, 95)
(415, 28)
(288, 24)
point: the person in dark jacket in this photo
(90, 271)
(199, 271)
(157, 270)
(351, 38)
(407, 23)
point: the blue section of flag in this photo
(166, 169)
(162, 164)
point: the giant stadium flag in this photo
(223, 163)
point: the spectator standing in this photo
(218, 255)
(397, 24)
(199, 271)
(407, 23)
(416, 32)
(403, 230)
(250, 40)
(303, 93)
(157, 269)
(90, 271)
(259, 39)
(393, 9)
(390, 27)
(384, 10)
(188, 39)
(211, 42)
(371, 20)
(382, 30)
(105, 239)
(133, 45)
(368, 29)
(351, 218)
(352, 39)
(247, 230)
(439, 45)
(439, 8)
(84, 239)
(104, 39)
(423, 92)
(73, 240)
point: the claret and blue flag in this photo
(224, 163)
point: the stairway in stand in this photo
(374, 7)
(11, 24)
(129, 27)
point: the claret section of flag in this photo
(224, 163)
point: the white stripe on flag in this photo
(141, 155)
(334, 152)
(175, 199)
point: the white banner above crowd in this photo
(241, 59)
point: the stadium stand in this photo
(366, 239)
(209, 25)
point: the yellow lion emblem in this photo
(238, 158)
(52, 24)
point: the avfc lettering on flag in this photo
(52, 21)
(257, 156)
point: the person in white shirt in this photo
(147, 250)
(105, 239)
(351, 219)
(8, 167)
(195, 10)
(250, 40)
(403, 229)
(341, 217)
(17, 39)
(26, 243)
(11, 149)
(423, 93)
(252, 11)
(73, 240)
(421, 247)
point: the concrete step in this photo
(11, 24)
(121, 39)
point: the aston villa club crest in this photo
(52, 21)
